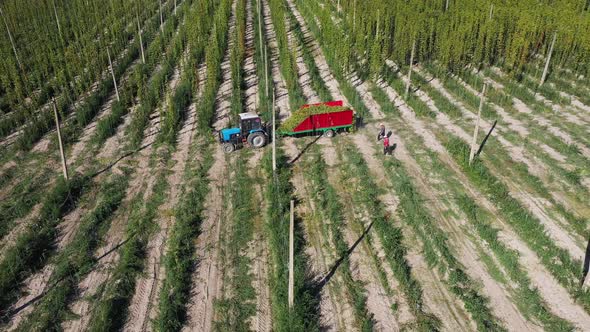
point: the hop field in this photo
(119, 209)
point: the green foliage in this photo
(35, 244)
(557, 260)
(77, 259)
(332, 210)
(367, 195)
(303, 113)
(180, 258)
(304, 316)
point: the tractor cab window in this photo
(250, 124)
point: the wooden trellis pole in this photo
(11, 40)
(410, 70)
(113, 74)
(476, 130)
(274, 136)
(56, 18)
(175, 7)
(61, 147)
(548, 60)
(291, 256)
(140, 40)
(161, 19)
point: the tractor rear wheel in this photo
(228, 147)
(257, 140)
(329, 133)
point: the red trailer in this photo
(322, 118)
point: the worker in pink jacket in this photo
(385, 145)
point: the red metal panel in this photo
(326, 120)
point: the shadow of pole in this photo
(337, 264)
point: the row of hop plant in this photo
(317, 82)
(22, 197)
(536, 184)
(365, 195)
(558, 261)
(420, 108)
(238, 52)
(527, 298)
(118, 291)
(332, 210)
(154, 90)
(30, 86)
(216, 47)
(305, 315)
(328, 35)
(437, 249)
(188, 213)
(41, 122)
(235, 310)
(262, 61)
(76, 259)
(32, 248)
(135, 86)
(111, 305)
(39, 237)
(287, 57)
(180, 259)
(81, 114)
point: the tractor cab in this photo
(250, 131)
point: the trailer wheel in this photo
(257, 140)
(228, 147)
(329, 133)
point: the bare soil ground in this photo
(144, 302)
(207, 278)
(549, 288)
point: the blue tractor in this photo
(250, 131)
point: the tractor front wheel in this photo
(228, 147)
(257, 140)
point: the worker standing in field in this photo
(381, 133)
(385, 145)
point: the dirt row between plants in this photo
(536, 205)
(556, 296)
(281, 94)
(207, 281)
(143, 304)
(258, 251)
(436, 297)
(378, 302)
(543, 121)
(320, 59)
(250, 75)
(335, 313)
(335, 309)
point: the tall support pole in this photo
(266, 69)
(291, 254)
(491, 10)
(10, 37)
(140, 40)
(274, 136)
(175, 7)
(377, 34)
(410, 70)
(548, 60)
(56, 18)
(447, 5)
(161, 19)
(354, 16)
(338, 7)
(113, 74)
(61, 147)
(476, 130)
